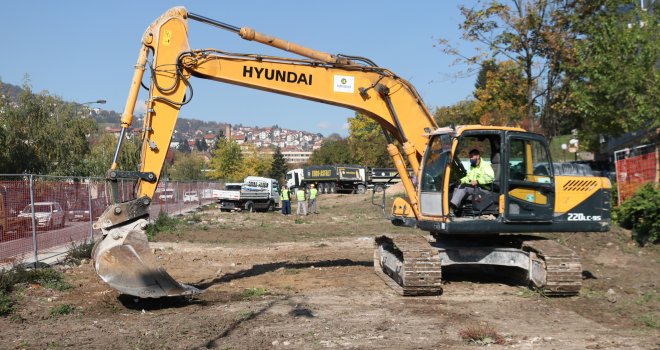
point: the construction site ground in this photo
(294, 282)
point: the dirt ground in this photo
(307, 283)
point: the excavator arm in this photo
(123, 258)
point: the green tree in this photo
(183, 146)
(256, 164)
(41, 134)
(616, 85)
(98, 162)
(227, 161)
(460, 113)
(367, 143)
(500, 94)
(187, 166)
(533, 35)
(332, 152)
(201, 145)
(278, 167)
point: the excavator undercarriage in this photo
(412, 264)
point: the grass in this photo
(647, 298)
(13, 279)
(530, 293)
(264, 225)
(650, 321)
(6, 304)
(47, 278)
(78, 252)
(254, 292)
(590, 293)
(482, 335)
(194, 218)
(62, 310)
(299, 221)
(246, 315)
(163, 223)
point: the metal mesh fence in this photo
(635, 167)
(42, 217)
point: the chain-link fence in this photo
(42, 217)
(635, 167)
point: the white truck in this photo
(254, 193)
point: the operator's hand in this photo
(474, 182)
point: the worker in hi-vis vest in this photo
(313, 192)
(302, 201)
(286, 201)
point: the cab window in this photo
(529, 161)
(435, 161)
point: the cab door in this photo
(529, 180)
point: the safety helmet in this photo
(312, 185)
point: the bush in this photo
(483, 335)
(6, 304)
(61, 310)
(47, 278)
(641, 213)
(254, 292)
(163, 223)
(78, 252)
(19, 275)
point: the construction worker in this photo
(302, 200)
(480, 174)
(286, 201)
(312, 199)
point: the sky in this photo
(84, 51)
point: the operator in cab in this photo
(479, 174)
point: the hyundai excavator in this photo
(488, 229)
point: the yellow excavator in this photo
(525, 196)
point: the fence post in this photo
(34, 224)
(91, 214)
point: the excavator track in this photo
(408, 264)
(558, 268)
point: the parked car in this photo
(80, 210)
(190, 197)
(47, 214)
(167, 195)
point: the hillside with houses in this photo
(296, 145)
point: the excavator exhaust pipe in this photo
(124, 261)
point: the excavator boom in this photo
(123, 258)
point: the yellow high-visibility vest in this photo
(301, 195)
(312, 193)
(285, 195)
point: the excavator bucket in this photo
(124, 260)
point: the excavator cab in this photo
(524, 196)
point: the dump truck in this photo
(330, 178)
